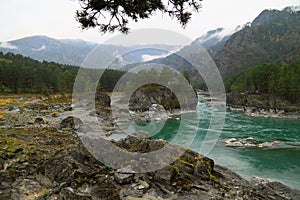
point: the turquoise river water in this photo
(280, 162)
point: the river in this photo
(280, 162)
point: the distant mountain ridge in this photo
(74, 51)
(271, 36)
(45, 48)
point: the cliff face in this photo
(143, 98)
(152, 102)
(56, 166)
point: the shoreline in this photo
(63, 168)
(238, 102)
(160, 116)
(265, 113)
(49, 121)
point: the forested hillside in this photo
(19, 74)
(277, 79)
(271, 35)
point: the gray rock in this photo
(141, 185)
(73, 173)
(10, 108)
(123, 178)
(166, 174)
(71, 123)
(39, 120)
(126, 170)
(1, 163)
(102, 99)
(201, 171)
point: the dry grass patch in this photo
(2, 115)
(5, 102)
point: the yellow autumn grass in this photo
(4, 102)
(2, 113)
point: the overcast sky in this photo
(56, 18)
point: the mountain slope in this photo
(271, 35)
(49, 49)
(214, 40)
(73, 52)
(199, 52)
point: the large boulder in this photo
(143, 98)
(71, 123)
(102, 99)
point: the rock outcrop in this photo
(262, 105)
(143, 98)
(71, 123)
(56, 166)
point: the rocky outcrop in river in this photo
(143, 98)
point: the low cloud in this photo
(219, 35)
(120, 58)
(295, 8)
(147, 57)
(7, 45)
(43, 47)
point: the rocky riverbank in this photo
(42, 157)
(150, 105)
(55, 165)
(259, 105)
(33, 111)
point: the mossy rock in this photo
(71, 123)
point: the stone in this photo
(126, 169)
(233, 142)
(249, 145)
(71, 123)
(158, 99)
(1, 164)
(30, 122)
(102, 99)
(142, 185)
(242, 142)
(273, 144)
(123, 178)
(69, 193)
(54, 114)
(10, 108)
(39, 120)
(165, 174)
(201, 171)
